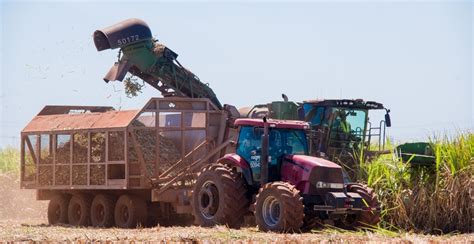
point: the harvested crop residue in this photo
(18, 232)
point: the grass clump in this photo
(9, 160)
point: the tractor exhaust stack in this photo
(265, 153)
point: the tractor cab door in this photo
(249, 147)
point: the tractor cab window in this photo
(287, 141)
(250, 141)
(281, 142)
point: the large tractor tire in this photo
(130, 211)
(79, 210)
(102, 211)
(219, 197)
(279, 208)
(366, 218)
(57, 209)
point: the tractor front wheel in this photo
(279, 208)
(219, 197)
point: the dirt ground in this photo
(17, 204)
(23, 219)
(41, 232)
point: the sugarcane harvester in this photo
(266, 172)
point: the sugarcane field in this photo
(280, 122)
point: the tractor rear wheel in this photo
(57, 209)
(219, 197)
(102, 211)
(130, 211)
(365, 218)
(279, 207)
(79, 210)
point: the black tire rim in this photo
(77, 212)
(124, 214)
(208, 200)
(99, 213)
(56, 213)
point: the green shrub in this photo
(9, 160)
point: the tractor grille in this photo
(325, 174)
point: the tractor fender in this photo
(237, 161)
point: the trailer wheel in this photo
(79, 210)
(362, 219)
(279, 207)
(219, 197)
(58, 209)
(102, 211)
(130, 211)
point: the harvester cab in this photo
(341, 126)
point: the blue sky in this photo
(415, 57)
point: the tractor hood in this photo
(309, 161)
(312, 174)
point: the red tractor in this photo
(271, 175)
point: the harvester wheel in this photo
(79, 210)
(219, 197)
(366, 218)
(57, 209)
(279, 207)
(102, 211)
(130, 211)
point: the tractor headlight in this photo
(329, 185)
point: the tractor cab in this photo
(284, 138)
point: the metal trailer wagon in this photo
(103, 167)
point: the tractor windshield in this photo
(288, 141)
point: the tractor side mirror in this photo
(388, 121)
